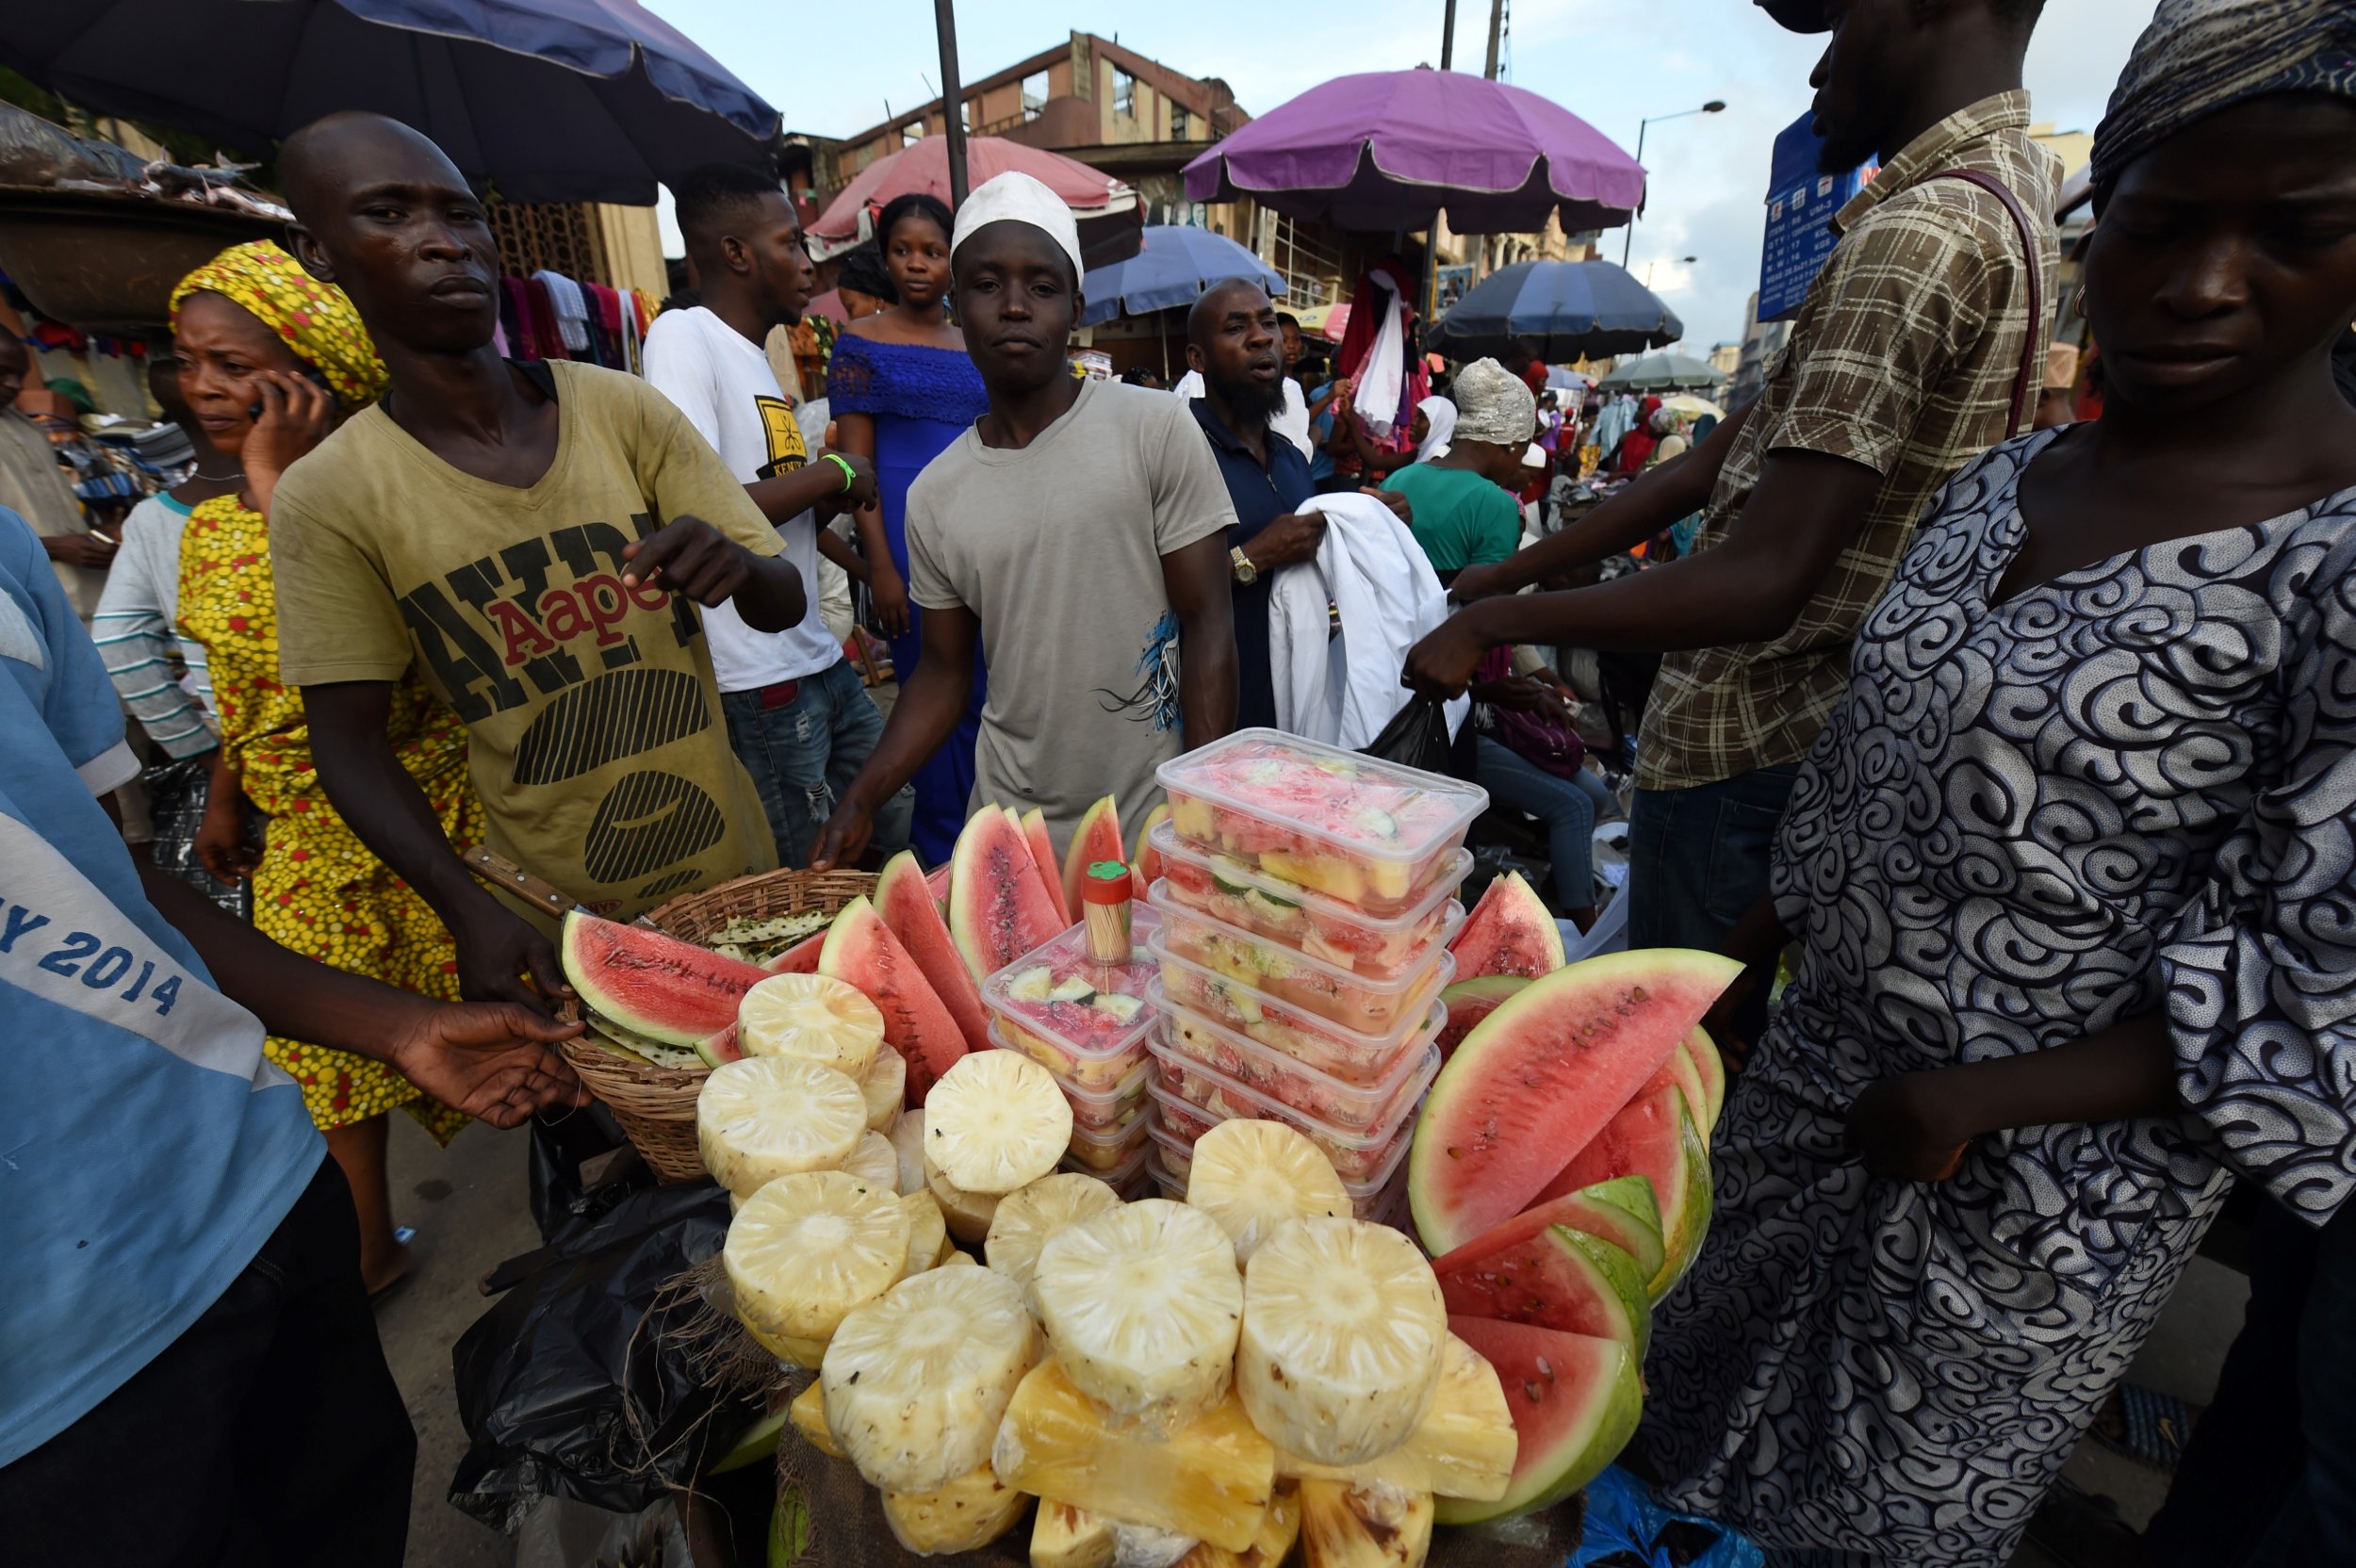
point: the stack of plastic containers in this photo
(1305, 906)
(1088, 1025)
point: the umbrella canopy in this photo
(1387, 150)
(1174, 266)
(1564, 308)
(547, 100)
(1686, 402)
(1661, 373)
(1330, 322)
(1107, 208)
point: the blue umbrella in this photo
(1563, 308)
(547, 100)
(1174, 267)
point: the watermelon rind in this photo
(652, 985)
(1558, 1278)
(1097, 838)
(1144, 859)
(1713, 1068)
(1621, 1211)
(1042, 848)
(998, 908)
(1556, 1456)
(1469, 1001)
(1683, 1233)
(1538, 1078)
(1510, 931)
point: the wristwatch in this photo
(1246, 573)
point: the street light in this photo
(1682, 261)
(1715, 105)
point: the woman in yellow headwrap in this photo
(270, 357)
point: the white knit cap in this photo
(1493, 404)
(1017, 198)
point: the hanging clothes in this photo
(570, 308)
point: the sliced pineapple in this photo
(916, 1381)
(1277, 1532)
(956, 1259)
(808, 1414)
(908, 1143)
(969, 1213)
(886, 1086)
(767, 1117)
(1364, 1526)
(1343, 1327)
(1464, 1447)
(1252, 1176)
(1145, 1546)
(1209, 1478)
(928, 1233)
(806, 1353)
(1142, 1303)
(964, 1516)
(1026, 1219)
(807, 1248)
(873, 1159)
(997, 1122)
(813, 1019)
(1067, 1537)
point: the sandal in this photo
(2146, 1426)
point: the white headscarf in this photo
(1439, 427)
(1017, 198)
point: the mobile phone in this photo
(311, 373)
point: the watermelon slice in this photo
(862, 952)
(1509, 932)
(1469, 1001)
(650, 985)
(1033, 825)
(998, 908)
(1621, 1211)
(905, 900)
(1146, 860)
(937, 880)
(1557, 1278)
(801, 958)
(720, 1047)
(1653, 1136)
(1541, 1076)
(1575, 1401)
(1097, 838)
(1713, 1068)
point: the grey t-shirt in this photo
(1058, 550)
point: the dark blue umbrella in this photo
(1173, 266)
(1563, 308)
(547, 100)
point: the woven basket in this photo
(656, 1105)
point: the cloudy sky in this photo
(832, 70)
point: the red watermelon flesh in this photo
(1034, 824)
(998, 908)
(721, 1046)
(1469, 1001)
(1653, 1136)
(1147, 860)
(1622, 1211)
(660, 987)
(937, 880)
(801, 958)
(1539, 1077)
(1575, 1401)
(862, 952)
(1509, 932)
(1097, 838)
(905, 900)
(1557, 1278)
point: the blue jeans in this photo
(803, 754)
(1697, 862)
(1568, 807)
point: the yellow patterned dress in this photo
(317, 888)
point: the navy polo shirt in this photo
(1260, 496)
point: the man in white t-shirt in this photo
(798, 716)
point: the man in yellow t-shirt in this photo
(534, 540)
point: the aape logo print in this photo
(546, 614)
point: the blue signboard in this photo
(1800, 205)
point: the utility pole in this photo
(1496, 31)
(1447, 38)
(953, 97)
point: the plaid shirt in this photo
(1903, 358)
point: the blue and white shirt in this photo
(147, 1151)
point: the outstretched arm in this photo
(1195, 578)
(930, 705)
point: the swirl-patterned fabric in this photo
(2128, 788)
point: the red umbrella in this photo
(1108, 209)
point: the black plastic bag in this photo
(1417, 737)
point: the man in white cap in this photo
(1079, 530)
(1463, 511)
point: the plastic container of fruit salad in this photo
(1189, 1099)
(1365, 1003)
(1110, 1154)
(1131, 1179)
(1349, 1108)
(1358, 830)
(1314, 1041)
(1084, 1021)
(1377, 1200)
(1106, 1114)
(1377, 946)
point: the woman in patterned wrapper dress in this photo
(2073, 870)
(251, 328)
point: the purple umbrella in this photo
(1387, 150)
